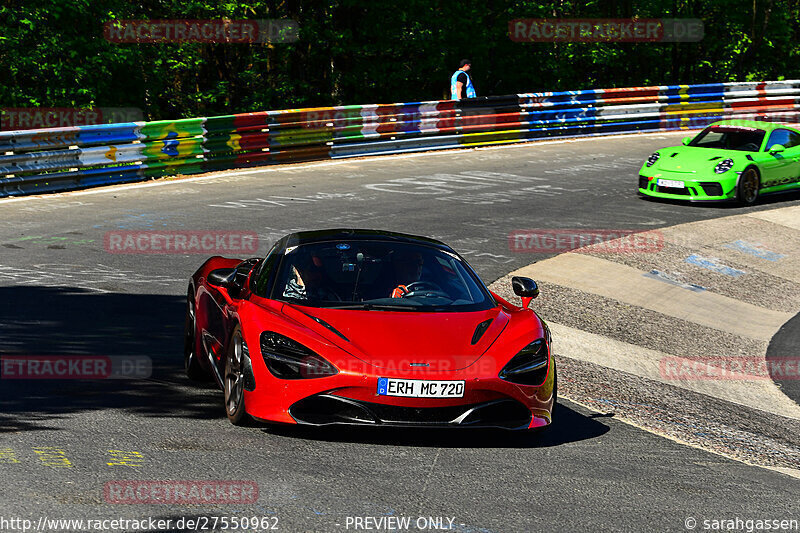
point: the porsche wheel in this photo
(234, 381)
(747, 189)
(191, 363)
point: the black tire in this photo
(748, 187)
(233, 381)
(191, 359)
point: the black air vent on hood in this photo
(325, 324)
(480, 330)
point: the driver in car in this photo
(408, 270)
(306, 281)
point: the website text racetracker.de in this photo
(26, 118)
(61, 524)
(550, 240)
(193, 523)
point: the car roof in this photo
(342, 234)
(757, 124)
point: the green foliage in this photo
(53, 54)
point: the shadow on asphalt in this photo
(568, 426)
(767, 201)
(75, 322)
(68, 321)
(783, 355)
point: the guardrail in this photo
(57, 159)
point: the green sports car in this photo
(729, 160)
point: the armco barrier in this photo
(47, 160)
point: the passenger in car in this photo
(307, 281)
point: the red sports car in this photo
(368, 327)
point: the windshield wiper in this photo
(376, 307)
(388, 307)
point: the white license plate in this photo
(420, 388)
(670, 183)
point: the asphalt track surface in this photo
(62, 293)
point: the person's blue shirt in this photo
(469, 89)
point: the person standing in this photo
(461, 83)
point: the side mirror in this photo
(222, 277)
(233, 279)
(776, 148)
(525, 288)
(686, 140)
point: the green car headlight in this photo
(723, 166)
(652, 159)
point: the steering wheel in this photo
(749, 147)
(424, 288)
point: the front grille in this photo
(711, 188)
(673, 190)
(419, 415)
(643, 182)
(327, 409)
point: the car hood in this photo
(402, 340)
(692, 159)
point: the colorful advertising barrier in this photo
(36, 161)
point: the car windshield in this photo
(378, 275)
(730, 138)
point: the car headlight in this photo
(529, 366)
(723, 166)
(652, 159)
(288, 359)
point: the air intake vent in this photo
(480, 330)
(711, 188)
(324, 324)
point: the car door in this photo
(219, 305)
(792, 152)
(780, 168)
